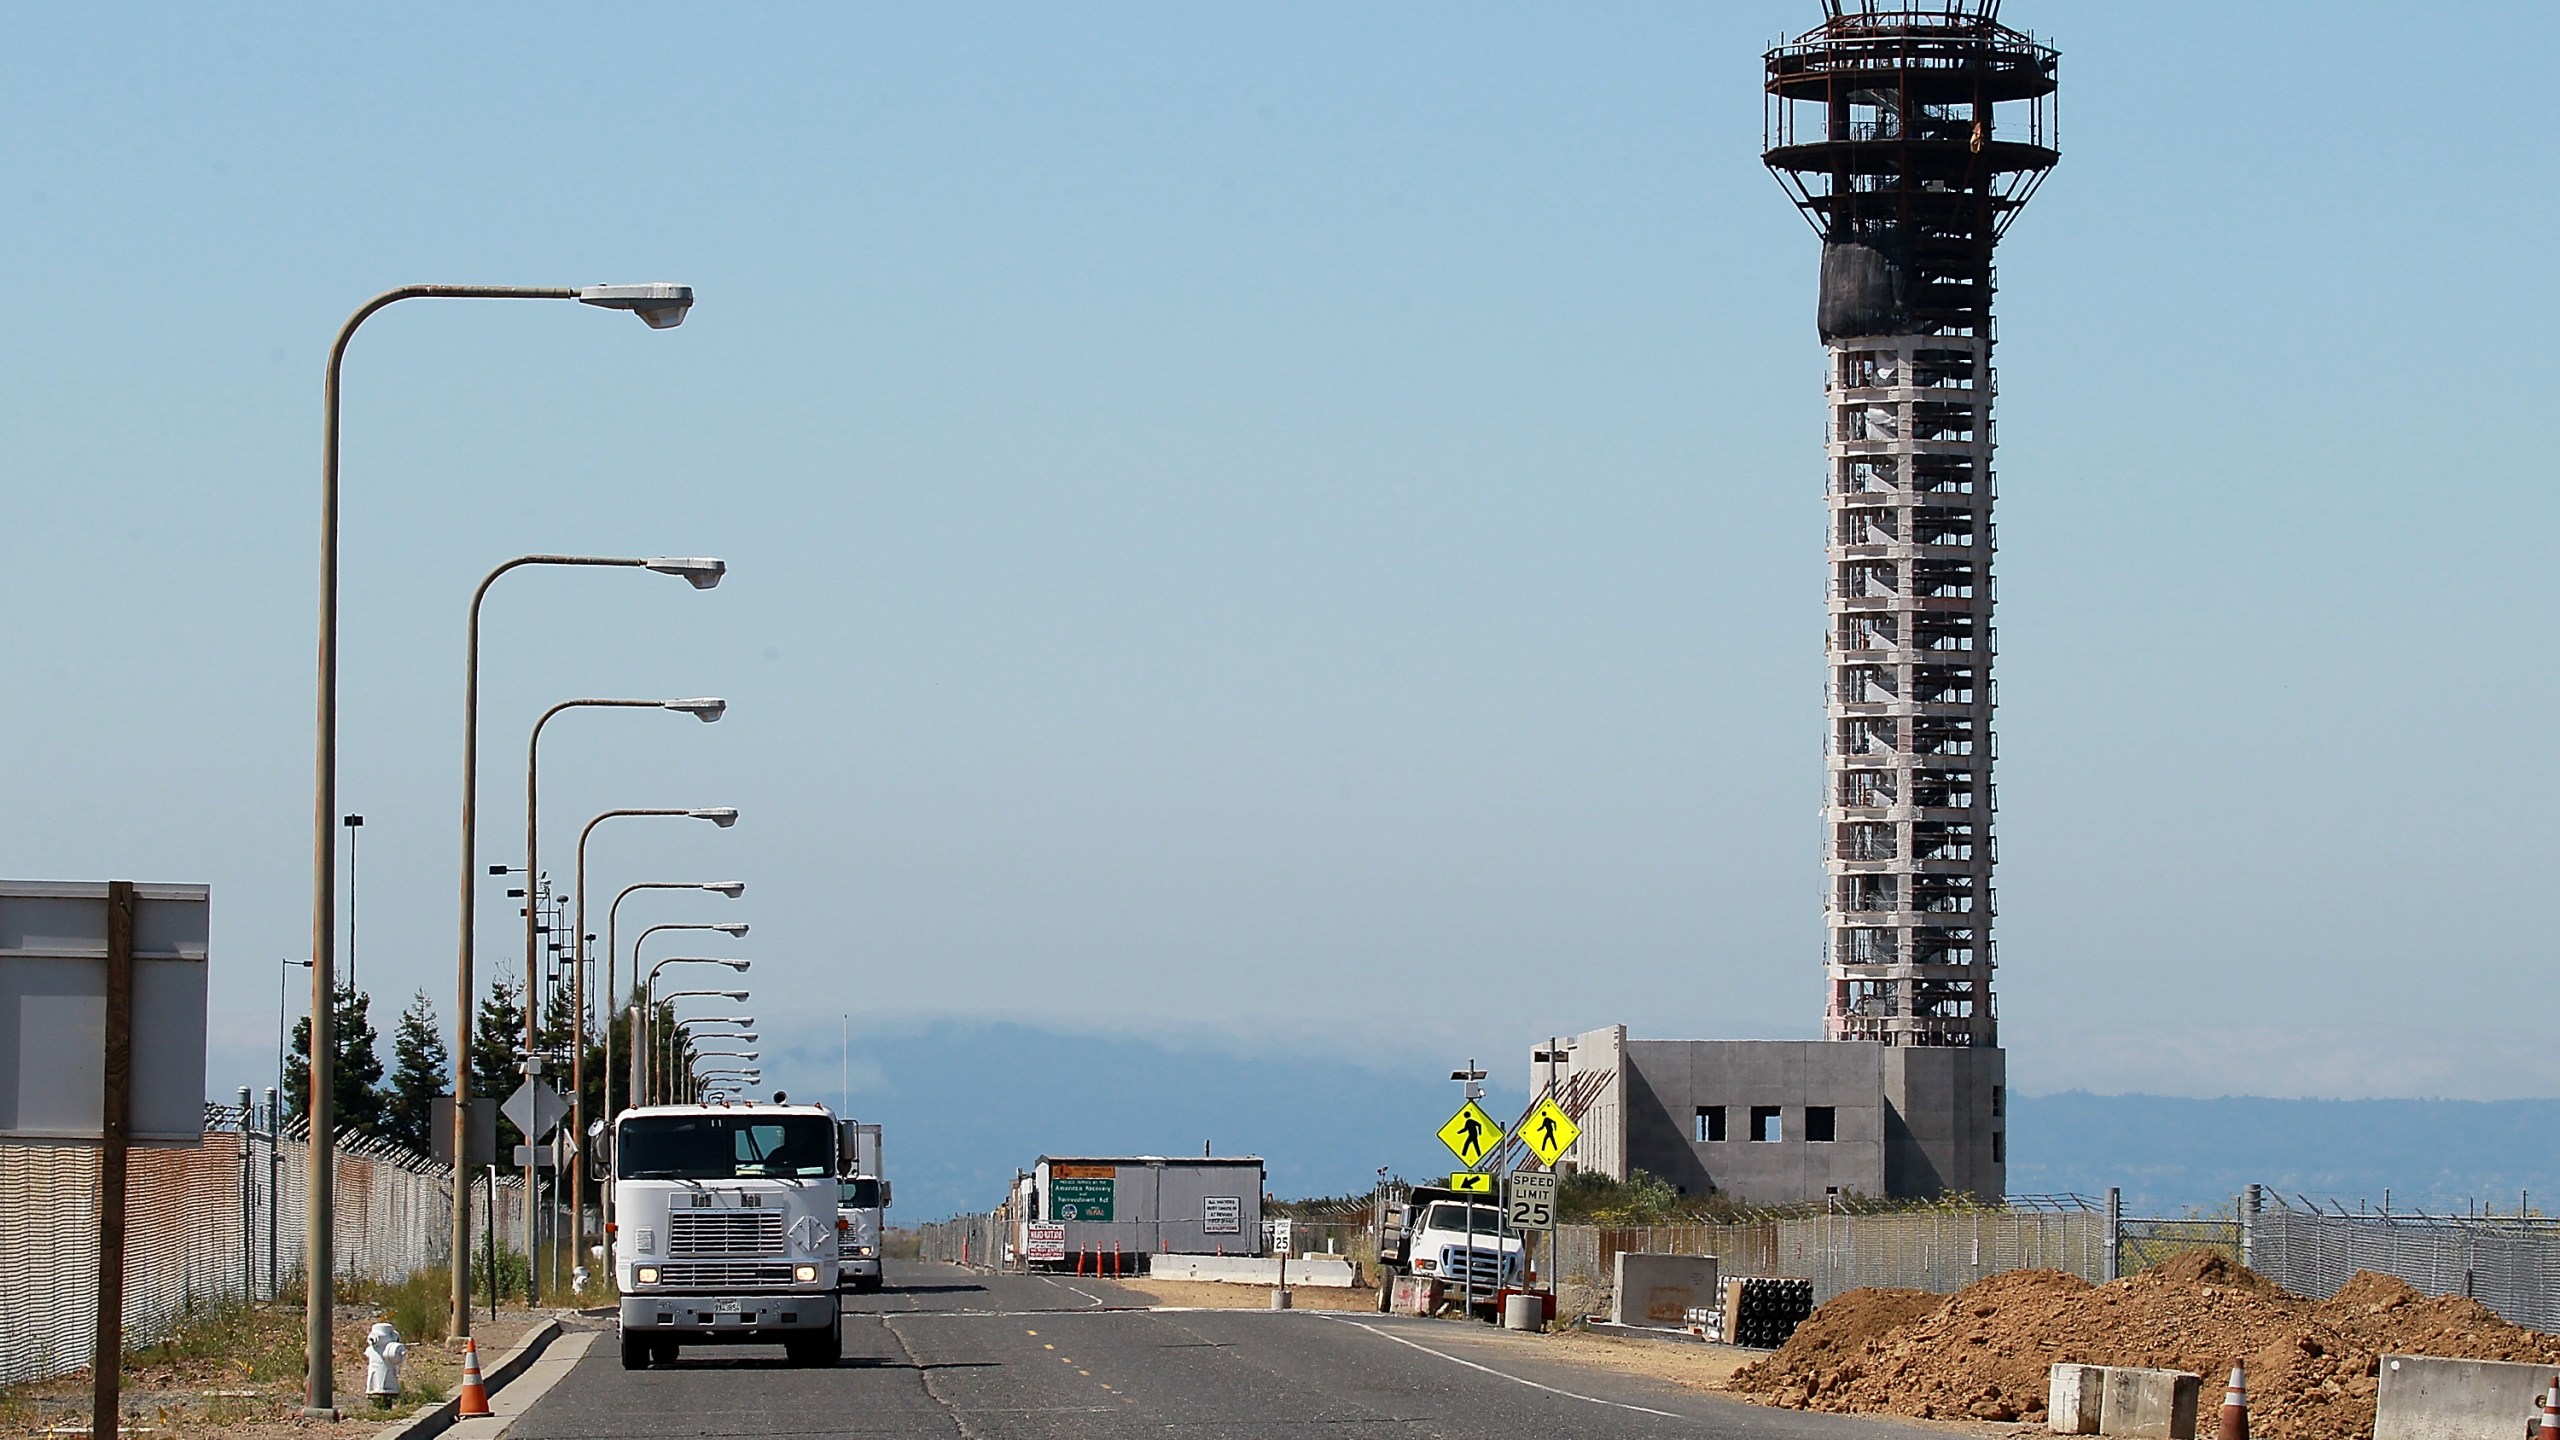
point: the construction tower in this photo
(1910, 132)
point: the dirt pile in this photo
(1984, 1352)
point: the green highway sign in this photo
(1079, 1198)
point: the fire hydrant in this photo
(383, 1353)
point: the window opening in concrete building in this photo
(1999, 1101)
(1765, 1125)
(1820, 1123)
(1999, 1147)
(1710, 1124)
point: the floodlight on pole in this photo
(660, 306)
(705, 708)
(700, 571)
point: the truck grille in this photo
(724, 1232)
(710, 1274)
(1456, 1261)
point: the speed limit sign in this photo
(1530, 1201)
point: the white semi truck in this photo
(862, 1200)
(725, 1229)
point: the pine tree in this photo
(356, 1071)
(422, 1072)
(497, 1050)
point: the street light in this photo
(661, 305)
(676, 1029)
(612, 951)
(643, 1056)
(722, 816)
(703, 709)
(702, 574)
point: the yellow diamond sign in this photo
(1471, 1134)
(1548, 1132)
(1471, 1180)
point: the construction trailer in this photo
(1135, 1205)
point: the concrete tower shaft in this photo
(1910, 133)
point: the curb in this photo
(440, 1417)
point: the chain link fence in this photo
(218, 1222)
(1942, 1250)
(2509, 1263)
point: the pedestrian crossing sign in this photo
(1471, 1134)
(1548, 1132)
(1477, 1181)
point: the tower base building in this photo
(1780, 1122)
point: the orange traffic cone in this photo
(2550, 1412)
(2235, 1406)
(475, 1396)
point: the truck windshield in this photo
(1448, 1215)
(725, 1147)
(857, 1194)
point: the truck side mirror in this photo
(844, 1147)
(884, 1194)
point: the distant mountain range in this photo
(2169, 1153)
(967, 1103)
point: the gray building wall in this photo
(1907, 1121)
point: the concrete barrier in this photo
(2148, 1404)
(1662, 1289)
(1317, 1270)
(2121, 1400)
(2073, 1398)
(2424, 1398)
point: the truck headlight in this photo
(647, 1275)
(1424, 1265)
(804, 1272)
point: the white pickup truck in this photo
(725, 1229)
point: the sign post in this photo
(1472, 1135)
(1531, 1205)
(104, 985)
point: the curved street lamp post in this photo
(702, 574)
(663, 307)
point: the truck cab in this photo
(860, 1203)
(1454, 1239)
(725, 1229)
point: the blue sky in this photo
(1284, 527)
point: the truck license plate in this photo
(727, 1307)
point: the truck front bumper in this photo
(699, 1317)
(851, 1272)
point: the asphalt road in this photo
(948, 1352)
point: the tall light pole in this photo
(641, 1005)
(612, 951)
(676, 1044)
(705, 709)
(701, 574)
(662, 306)
(673, 996)
(723, 816)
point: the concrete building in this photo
(1781, 1121)
(1909, 133)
